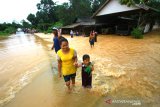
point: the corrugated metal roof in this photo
(72, 25)
(80, 24)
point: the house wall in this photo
(115, 7)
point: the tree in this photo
(96, 4)
(49, 12)
(25, 24)
(8, 28)
(81, 8)
(47, 8)
(33, 20)
(151, 16)
(45, 15)
(64, 13)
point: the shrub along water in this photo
(8, 31)
(137, 33)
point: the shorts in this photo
(91, 42)
(69, 77)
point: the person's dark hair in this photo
(63, 40)
(55, 32)
(86, 56)
(61, 37)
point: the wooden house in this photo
(81, 25)
(116, 18)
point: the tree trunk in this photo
(151, 26)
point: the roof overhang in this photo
(113, 7)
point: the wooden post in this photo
(139, 20)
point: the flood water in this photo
(22, 58)
(127, 73)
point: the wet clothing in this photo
(86, 75)
(56, 44)
(68, 67)
(91, 42)
(71, 33)
(69, 77)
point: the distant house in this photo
(116, 18)
(80, 25)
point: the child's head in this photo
(86, 59)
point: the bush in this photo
(49, 30)
(10, 30)
(3, 34)
(45, 32)
(137, 33)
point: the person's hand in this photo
(75, 64)
(52, 48)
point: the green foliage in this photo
(49, 31)
(126, 2)
(46, 13)
(7, 28)
(58, 24)
(81, 8)
(32, 19)
(149, 17)
(3, 34)
(25, 24)
(44, 16)
(10, 30)
(95, 5)
(137, 33)
(50, 12)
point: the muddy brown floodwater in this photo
(127, 72)
(125, 68)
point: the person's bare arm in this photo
(52, 46)
(92, 68)
(75, 59)
(79, 65)
(59, 68)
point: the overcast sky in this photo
(17, 10)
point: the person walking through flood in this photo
(87, 68)
(67, 63)
(71, 33)
(95, 35)
(56, 44)
(91, 39)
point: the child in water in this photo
(87, 68)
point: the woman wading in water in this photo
(67, 63)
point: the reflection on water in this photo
(19, 33)
(125, 70)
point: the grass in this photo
(2, 34)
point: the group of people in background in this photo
(92, 37)
(68, 62)
(72, 33)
